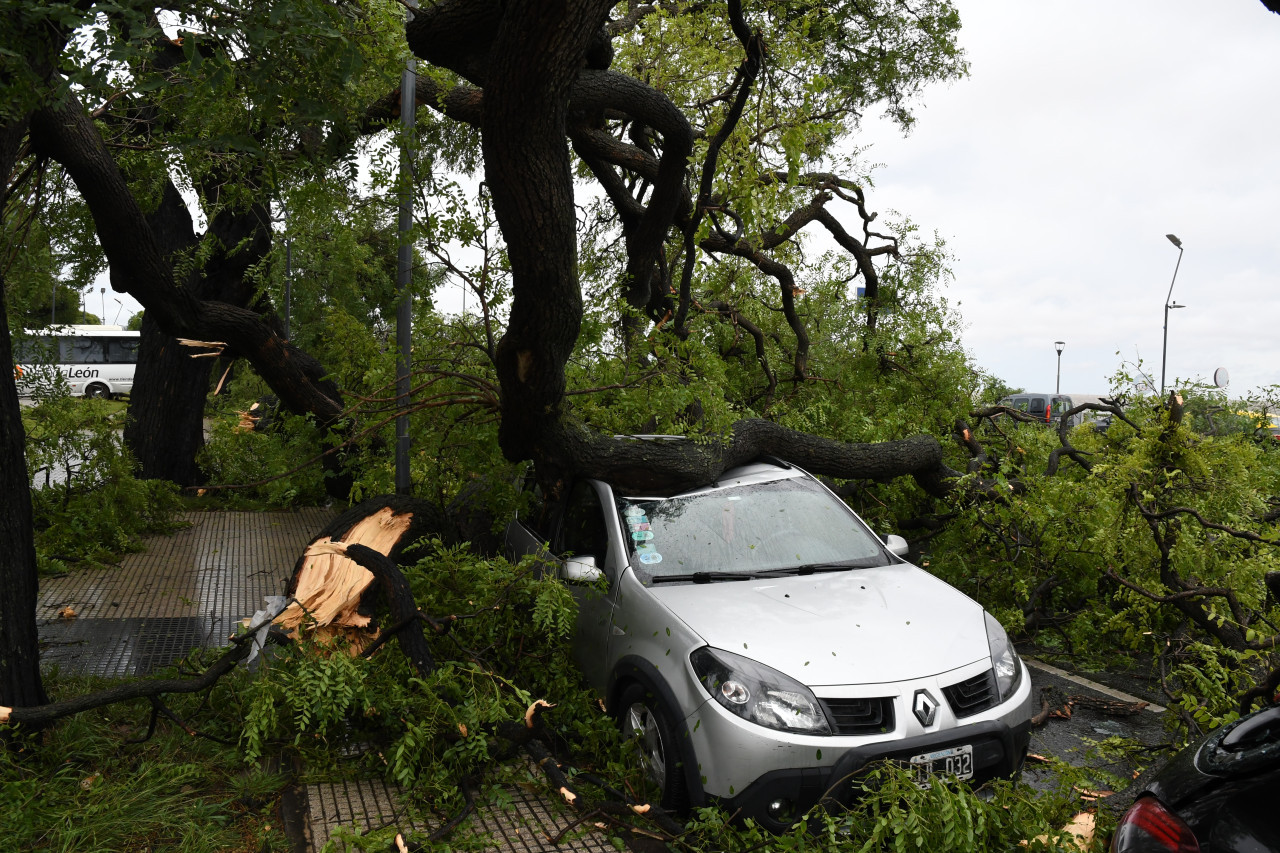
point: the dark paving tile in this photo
(116, 648)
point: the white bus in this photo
(98, 361)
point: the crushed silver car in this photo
(764, 644)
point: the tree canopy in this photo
(658, 211)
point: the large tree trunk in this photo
(165, 429)
(20, 682)
(533, 62)
(165, 426)
(528, 60)
(139, 266)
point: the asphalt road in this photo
(1112, 747)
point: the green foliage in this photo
(278, 454)
(81, 788)
(507, 647)
(88, 505)
(1110, 556)
(892, 813)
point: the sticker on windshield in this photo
(650, 557)
(632, 509)
(641, 535)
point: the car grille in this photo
(860, 716)
(973, 695)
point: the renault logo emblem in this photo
(925, 707)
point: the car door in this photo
(584, 530)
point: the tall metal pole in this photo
(288, 283)
(1057, 385)
(1164, 350)
(404, 271)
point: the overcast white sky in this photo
(1086, 132)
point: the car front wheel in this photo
(646, 718)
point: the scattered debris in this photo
(1090, 795)
(1113, 707)
(67, 613)
(1039, 719)
(533, 710)
(1081, 828)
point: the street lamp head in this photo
(1175, 305)
(1059, 346)
(1174, 240)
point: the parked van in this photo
(1050, 407)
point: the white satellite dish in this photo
(1221, 378)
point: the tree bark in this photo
(534, 61)
(165, 429)
(20, 682)
(532, 64)
(139, 267)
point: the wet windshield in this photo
(775, 527)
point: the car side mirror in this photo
(896, 545)
(581, 570)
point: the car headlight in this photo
(1004, 658)
(759, 693)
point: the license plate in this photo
(956, 762)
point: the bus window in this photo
(83, 351)
(122, 350)
(35, 350)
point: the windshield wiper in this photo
(705, 577)
(811, 568)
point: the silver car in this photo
(764, 644)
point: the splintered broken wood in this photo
(330, 584)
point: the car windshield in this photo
(774, 528)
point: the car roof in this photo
(762, 471)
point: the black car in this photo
(1221, 794)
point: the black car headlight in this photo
(1004, 658)
(759, 693)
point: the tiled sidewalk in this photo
(188, 590)
(185, 590)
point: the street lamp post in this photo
(1059, 346)
(1164, 351)
(102, 291)
(404, 270)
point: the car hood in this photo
(863, 626)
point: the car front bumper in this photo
(778, 798)
(774, 777)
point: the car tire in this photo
(98, 391)
(643, 715)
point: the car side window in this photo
(583, 530)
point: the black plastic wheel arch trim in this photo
(637, 669)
